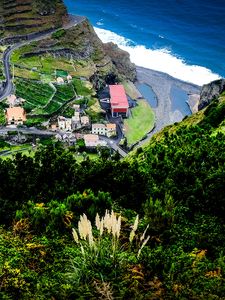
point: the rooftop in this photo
(98, 126)
(118, 96)
(16, 113)
(11, 98)
(91, 137)
(111, 126)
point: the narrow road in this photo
(9, 85)
(33, 131)
(31, 38)
(113, 144)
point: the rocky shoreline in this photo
(161, 84)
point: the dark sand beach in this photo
(175, 98)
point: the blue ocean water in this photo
(184, 38)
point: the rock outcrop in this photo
(210, 92)
(121, 59)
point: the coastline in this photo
(161, 84)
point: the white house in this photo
(64, 124)
(102, 129)
(76, 120)
(76, 107)
(60, 80)
(98, 129)
(69, 78)
(11, 100)
(85, 121)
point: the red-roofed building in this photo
(118, 100)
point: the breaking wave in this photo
(162, 60)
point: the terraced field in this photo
(63, 94)
(20, 17)
(36, 94)
(41, 98)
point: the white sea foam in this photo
(159, 59)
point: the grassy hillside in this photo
(174, 249)
(22, 17)
(77, 51)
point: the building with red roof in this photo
(118, 100)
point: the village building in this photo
(85, 121)
(110, 130)
(118, 101)
(78, 135)
(76, 120)
(15, 116)
(98, 129)
(58, 137)
(53, 127)
(76, 107)
(64, 124)
(69, 78)
(76, 117)
(60, 80)
(68, 138)
(92, 140)
(12, 101)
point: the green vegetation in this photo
(131, 90)
(94, 111)
(58, 34)
(45, 66)
(2, 75)
(36, 94)
(8, 151)
(4, 145)
(63, 94)
(43, 99)
(37, 121)
(80, 88)
(2, 117)
(58, 241)
(140, 122)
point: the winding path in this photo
(30, 38)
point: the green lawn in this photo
(140, 123)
